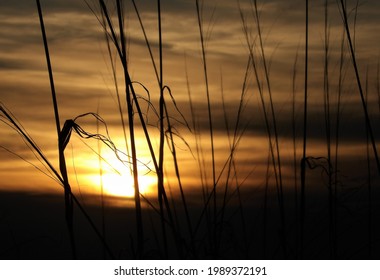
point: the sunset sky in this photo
(340, 210)
(84, 82)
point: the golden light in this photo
(122, 185)
(114, 177)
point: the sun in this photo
(118, 185)
(122, 185)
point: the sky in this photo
(85, 83)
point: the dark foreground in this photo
(33, 227)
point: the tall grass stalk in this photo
(211, 130)
(304, 145)
(369, 181)
(326, 79)
(229, 168)
(128, 85)
(163, 113)
(102, 198)
(265, 206)
(358, 81)
(295, 159)
(378, 84)
(119, 103)
(342, 60)
(147, 43)
(69, 207)
(170, 135)
(160, 174)
(337, 128)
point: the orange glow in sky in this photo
(121, 185)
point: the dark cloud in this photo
(351, 120)
(25, 7)
(14, 64)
